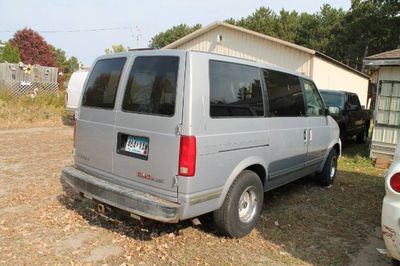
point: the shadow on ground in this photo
(321, 226)
(120, 221)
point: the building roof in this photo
(393, 54)
(216, 24)
(384, 59)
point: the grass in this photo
(301, 223)
(327, 226)
(24, 111)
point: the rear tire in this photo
(328, 174)
(362, 136)
(241, 209)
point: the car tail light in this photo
(187, 156)
(395, 182)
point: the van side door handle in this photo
(305, 136)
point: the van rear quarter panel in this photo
(225, 146)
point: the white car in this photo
(391, 209)
(74, 90)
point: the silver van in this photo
(170, 135)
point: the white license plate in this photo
(137, 145)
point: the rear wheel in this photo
(328, 174)
(241, 209)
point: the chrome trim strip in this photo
(204, 197)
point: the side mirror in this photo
(333, 110)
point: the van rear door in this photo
(96, 117)
(147, 146)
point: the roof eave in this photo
(341, 64)
(382, 62)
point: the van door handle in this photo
(305, 136)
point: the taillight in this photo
(187, 156)
(74, 131)
(395, 182)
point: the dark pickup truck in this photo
(345, 108)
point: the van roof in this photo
(212, 55)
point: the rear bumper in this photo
(127, 199)
(391, 226)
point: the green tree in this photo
(286, 25)
(60, 55)
(368, 28)
(319, 30)
(169, 36)
(10, 54)
(72, 64)
(66, 65)
(116, 48)
(263, 20)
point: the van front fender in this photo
(339, 142)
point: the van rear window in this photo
(151, 87)
(102, 85)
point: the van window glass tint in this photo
(102, 85)
(151, 87)
(235, 90)
(315, 107)
(284, 94)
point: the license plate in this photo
(137, 145)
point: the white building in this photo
(385, 72)
(223, 38)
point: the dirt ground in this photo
(301, 224)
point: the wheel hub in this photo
(333, 167)
(247, 205)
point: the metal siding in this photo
(329, 76)
(243, 45)
(384, 140)
(387, 131)
(389, 73)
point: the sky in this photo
(64, 19)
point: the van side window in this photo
(284, 92)
(102, 85)
(315, 106)
(235, 90)
(151, 87)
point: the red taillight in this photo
(74, 131)
(187, 156)
(395, 182)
